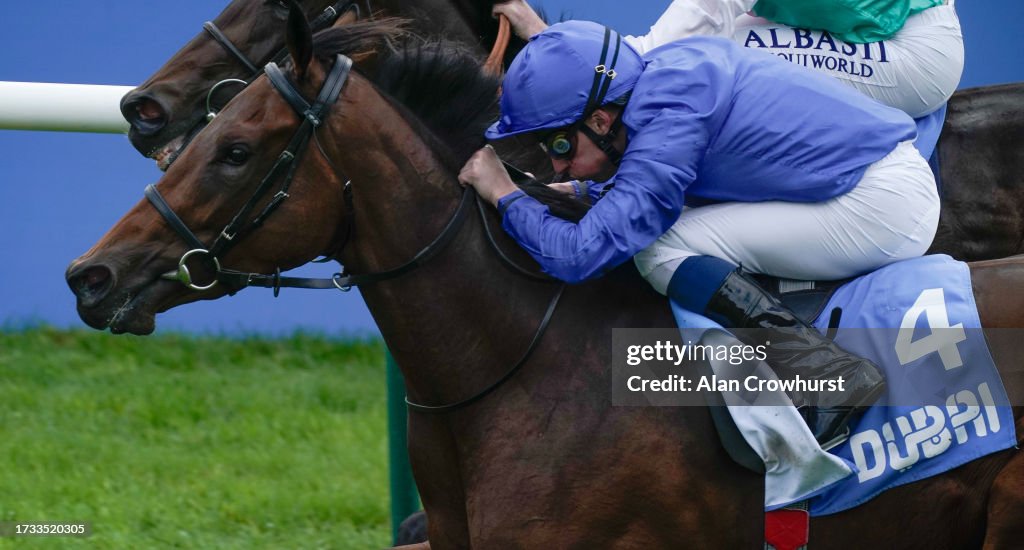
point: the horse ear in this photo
(300, 39)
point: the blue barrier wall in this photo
(60, 192)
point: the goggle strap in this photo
(605, 142)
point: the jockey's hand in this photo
(564, 187)
(525, 22)
(485, 173)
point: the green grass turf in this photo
(194, 442)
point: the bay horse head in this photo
(271, 183)
(174, 103)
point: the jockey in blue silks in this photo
(702, 156)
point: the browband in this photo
(316, 112)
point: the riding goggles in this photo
(559, 144)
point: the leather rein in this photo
(312, 116)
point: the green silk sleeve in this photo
(854, 21)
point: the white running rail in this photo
(62, 107)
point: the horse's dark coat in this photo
(981, 152)
(546, 461)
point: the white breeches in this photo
(890, 215)
(916, 70)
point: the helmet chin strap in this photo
(606, 142)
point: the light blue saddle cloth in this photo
(945, 406)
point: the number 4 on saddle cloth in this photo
(945, 403)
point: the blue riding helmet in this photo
(562, 73)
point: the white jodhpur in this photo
(891, 215)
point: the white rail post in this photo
(62, 107)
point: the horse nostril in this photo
(91, 284)
(144, 114)
(148, 110)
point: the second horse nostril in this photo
(144, 114)
(148, 110)
(92, 282)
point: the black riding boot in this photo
(799, 349)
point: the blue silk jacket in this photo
(711, 120)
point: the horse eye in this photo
(236, 155)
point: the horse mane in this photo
(441, 84)
(439, 87)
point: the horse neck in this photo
(455, 323)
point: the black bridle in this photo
(312, 116)
(327, 18)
